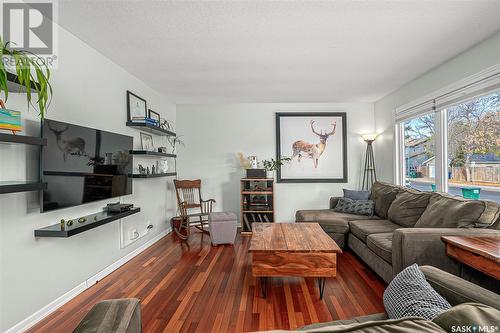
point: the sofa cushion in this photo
(469, 315)
(357, 195)
(410, 295)
(381, 244)
(404, 325)
(359, 320)
(383, 195)
(363, 228)
(446, 211)
(329, 220)
(408, 206)
(358, 207)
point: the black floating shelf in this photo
(138, 175)
(14, 85)
(151, 153)
(91, 222)
(28, 140)
(150, 128)
(21, 186)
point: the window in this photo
(474, 148)
(419, 153)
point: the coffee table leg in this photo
(321, 286)
(263, 286)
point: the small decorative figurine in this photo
(142, 170)
(62, 224)
(69, 223)
(147, 170)
(82, 220)
(153, 170)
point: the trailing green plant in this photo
(32, 73)
(273, 165)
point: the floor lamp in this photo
(369, 174)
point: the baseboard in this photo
(32, 320)
(106, 271)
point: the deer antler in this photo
(333, 129)
(312, 128)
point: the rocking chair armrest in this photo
(207, 205)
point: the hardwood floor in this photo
(194, 287)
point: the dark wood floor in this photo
(195, 287)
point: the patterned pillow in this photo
(410, 295)
(359, 207)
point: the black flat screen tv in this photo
(81, 164)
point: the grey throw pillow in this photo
(357, 195)
(410, 295)
(359, 207)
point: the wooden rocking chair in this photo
(188, 199)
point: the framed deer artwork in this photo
(316, 142)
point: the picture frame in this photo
(155, 116)
(147, 142)
(136, 107)
(316, 142)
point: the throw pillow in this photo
(447, 211)
(383, 195)
(358, 207)
(410, 295)
(357, 195)
(408, 206)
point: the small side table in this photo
(481, 253)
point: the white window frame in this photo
(482, 83)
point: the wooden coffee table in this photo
(481, 253)
(292, 249)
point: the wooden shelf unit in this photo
(257, 202)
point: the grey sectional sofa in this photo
(407, 227)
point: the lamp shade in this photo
(369, 137)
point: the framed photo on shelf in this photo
(136, 107)
(155, 116)
(316, 142)
(147, 142)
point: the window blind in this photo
(482, 83)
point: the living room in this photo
(336, 143)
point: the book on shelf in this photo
(266, 218)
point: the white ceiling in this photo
(279, 51)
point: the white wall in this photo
(482, 56)
(215, 133)
(89, 90)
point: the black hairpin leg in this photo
(321, 286)
(263, 286)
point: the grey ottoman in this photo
(222, 227)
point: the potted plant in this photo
(32, 73)
(273, 165)
(174, 141)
